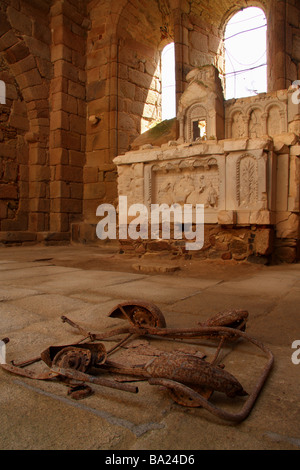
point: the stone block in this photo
(37, 222)
(198, 41)
(65, 69)
(63, 35)
(7, 150)
(7, 40)
(37, 92)
(94, 191)
(78, 124)
(37, 189)
(10, 173)
(61, 52)
(264, 240)
(37, 47)
(65, 102)
(59, 189)
(41, 32)
(287, 225)
(59, 222)
(59, 120)
(235, 144)
(90, 174)
(76, 190)
(16, 53)
(8, 191)
(38, 155)
(76, 90)
(227, 217)
(39, 173)
(261, 217)
(19, 21)
(96, 90)
(66, 205)
(65, 139)
(28, 63)
(68, 173)
(3, 210)
(76, 158)
(58, 156)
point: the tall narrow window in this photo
(245, 54)
(168, 82)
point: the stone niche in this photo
(201, 107)
(244, 168)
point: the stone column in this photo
(68, 115)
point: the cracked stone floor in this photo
(39, 284)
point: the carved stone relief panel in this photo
(255, 124)
(247, 179)
(256, 116)
(238, 128)
(274, 121)
(182, 182)
(249, 183)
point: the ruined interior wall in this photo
(124, 42)
(283, 43)
(43, 46)
(68, 113)
(83, 79)
(14, 187)
(24, 46)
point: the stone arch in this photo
(275, 119)
(194, 113)
(236, 123)
(233, 9)
(255, 122)
(142, 34)
(236, 60)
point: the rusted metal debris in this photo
(190, 379)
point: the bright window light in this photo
(245, 54)
(168, 82)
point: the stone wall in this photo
(83, 81)
(283, 43)
(68, 113)
(248, 182)
(24, 44)
(14, 173)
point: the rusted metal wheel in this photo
(141, 314)
(73, 358)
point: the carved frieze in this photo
(186, 182)
(264, 114)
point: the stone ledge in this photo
(17, 237)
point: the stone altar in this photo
(239, 158)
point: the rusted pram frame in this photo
(211, 332)
(220, 333)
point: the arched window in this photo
(245, 54)
(168, 82)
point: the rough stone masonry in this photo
(83, 79)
